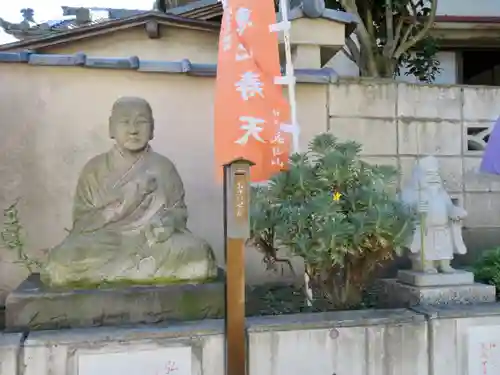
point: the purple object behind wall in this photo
(491, 158)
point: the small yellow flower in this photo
(336, 196)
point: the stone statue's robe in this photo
(442, 236)
(129, 222)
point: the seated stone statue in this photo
(439, 217)
(129, 215)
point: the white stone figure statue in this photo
(440, 218)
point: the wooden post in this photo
(236, 231)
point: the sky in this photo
(51, 9)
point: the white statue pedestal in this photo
(413, 288)
(416, 278)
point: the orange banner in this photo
(249, 107)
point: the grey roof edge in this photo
(335, 319)
(318, 76)
(329, 14)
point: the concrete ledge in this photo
(459, 311)
(394, 294)
(33, 306)
(187, 330)
(358, 318)
(435, 279)
(315, 76)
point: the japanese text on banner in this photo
(249, 107)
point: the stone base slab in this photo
(435, 279)
(32, 306)
(391, 293)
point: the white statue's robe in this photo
(442, 230)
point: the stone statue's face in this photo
(132, 128)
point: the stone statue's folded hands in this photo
(147, 186)
(134, 195)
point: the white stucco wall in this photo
(477, 8)
(448, 75)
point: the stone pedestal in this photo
(416, 288)
(32, 306)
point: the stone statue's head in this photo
(427, 172)
(131, 123)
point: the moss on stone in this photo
(125, 283)
(191, 306)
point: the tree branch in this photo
(349, 55)
(414, 11)
(364, 37)
(354, 50)
(370, 27)
(397, 36)
(406, 45)
(405, 37)
(389, 26)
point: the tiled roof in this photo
(201, 9)
(113, 13)
(98, 28)
(69, 24)
(186, 67)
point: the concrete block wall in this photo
(384, 342)
(464, 341)
(461, 340)
(396, 122)
(65, 352)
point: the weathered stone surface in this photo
(10, 345)
(394, 294)
(63, 351)
(438, 229)
(450, 328)
(436, 102)
(336, 343)
(34, 306)
(129, 215)
(451, 171)
(349, 99)
(476, 181)
(480, 103)
(429, 137)
(483, 209)
(359, 130)
(415, 278)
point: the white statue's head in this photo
(426, 172)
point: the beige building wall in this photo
(54, 119)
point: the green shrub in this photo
(487, 268)
(341, 241)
